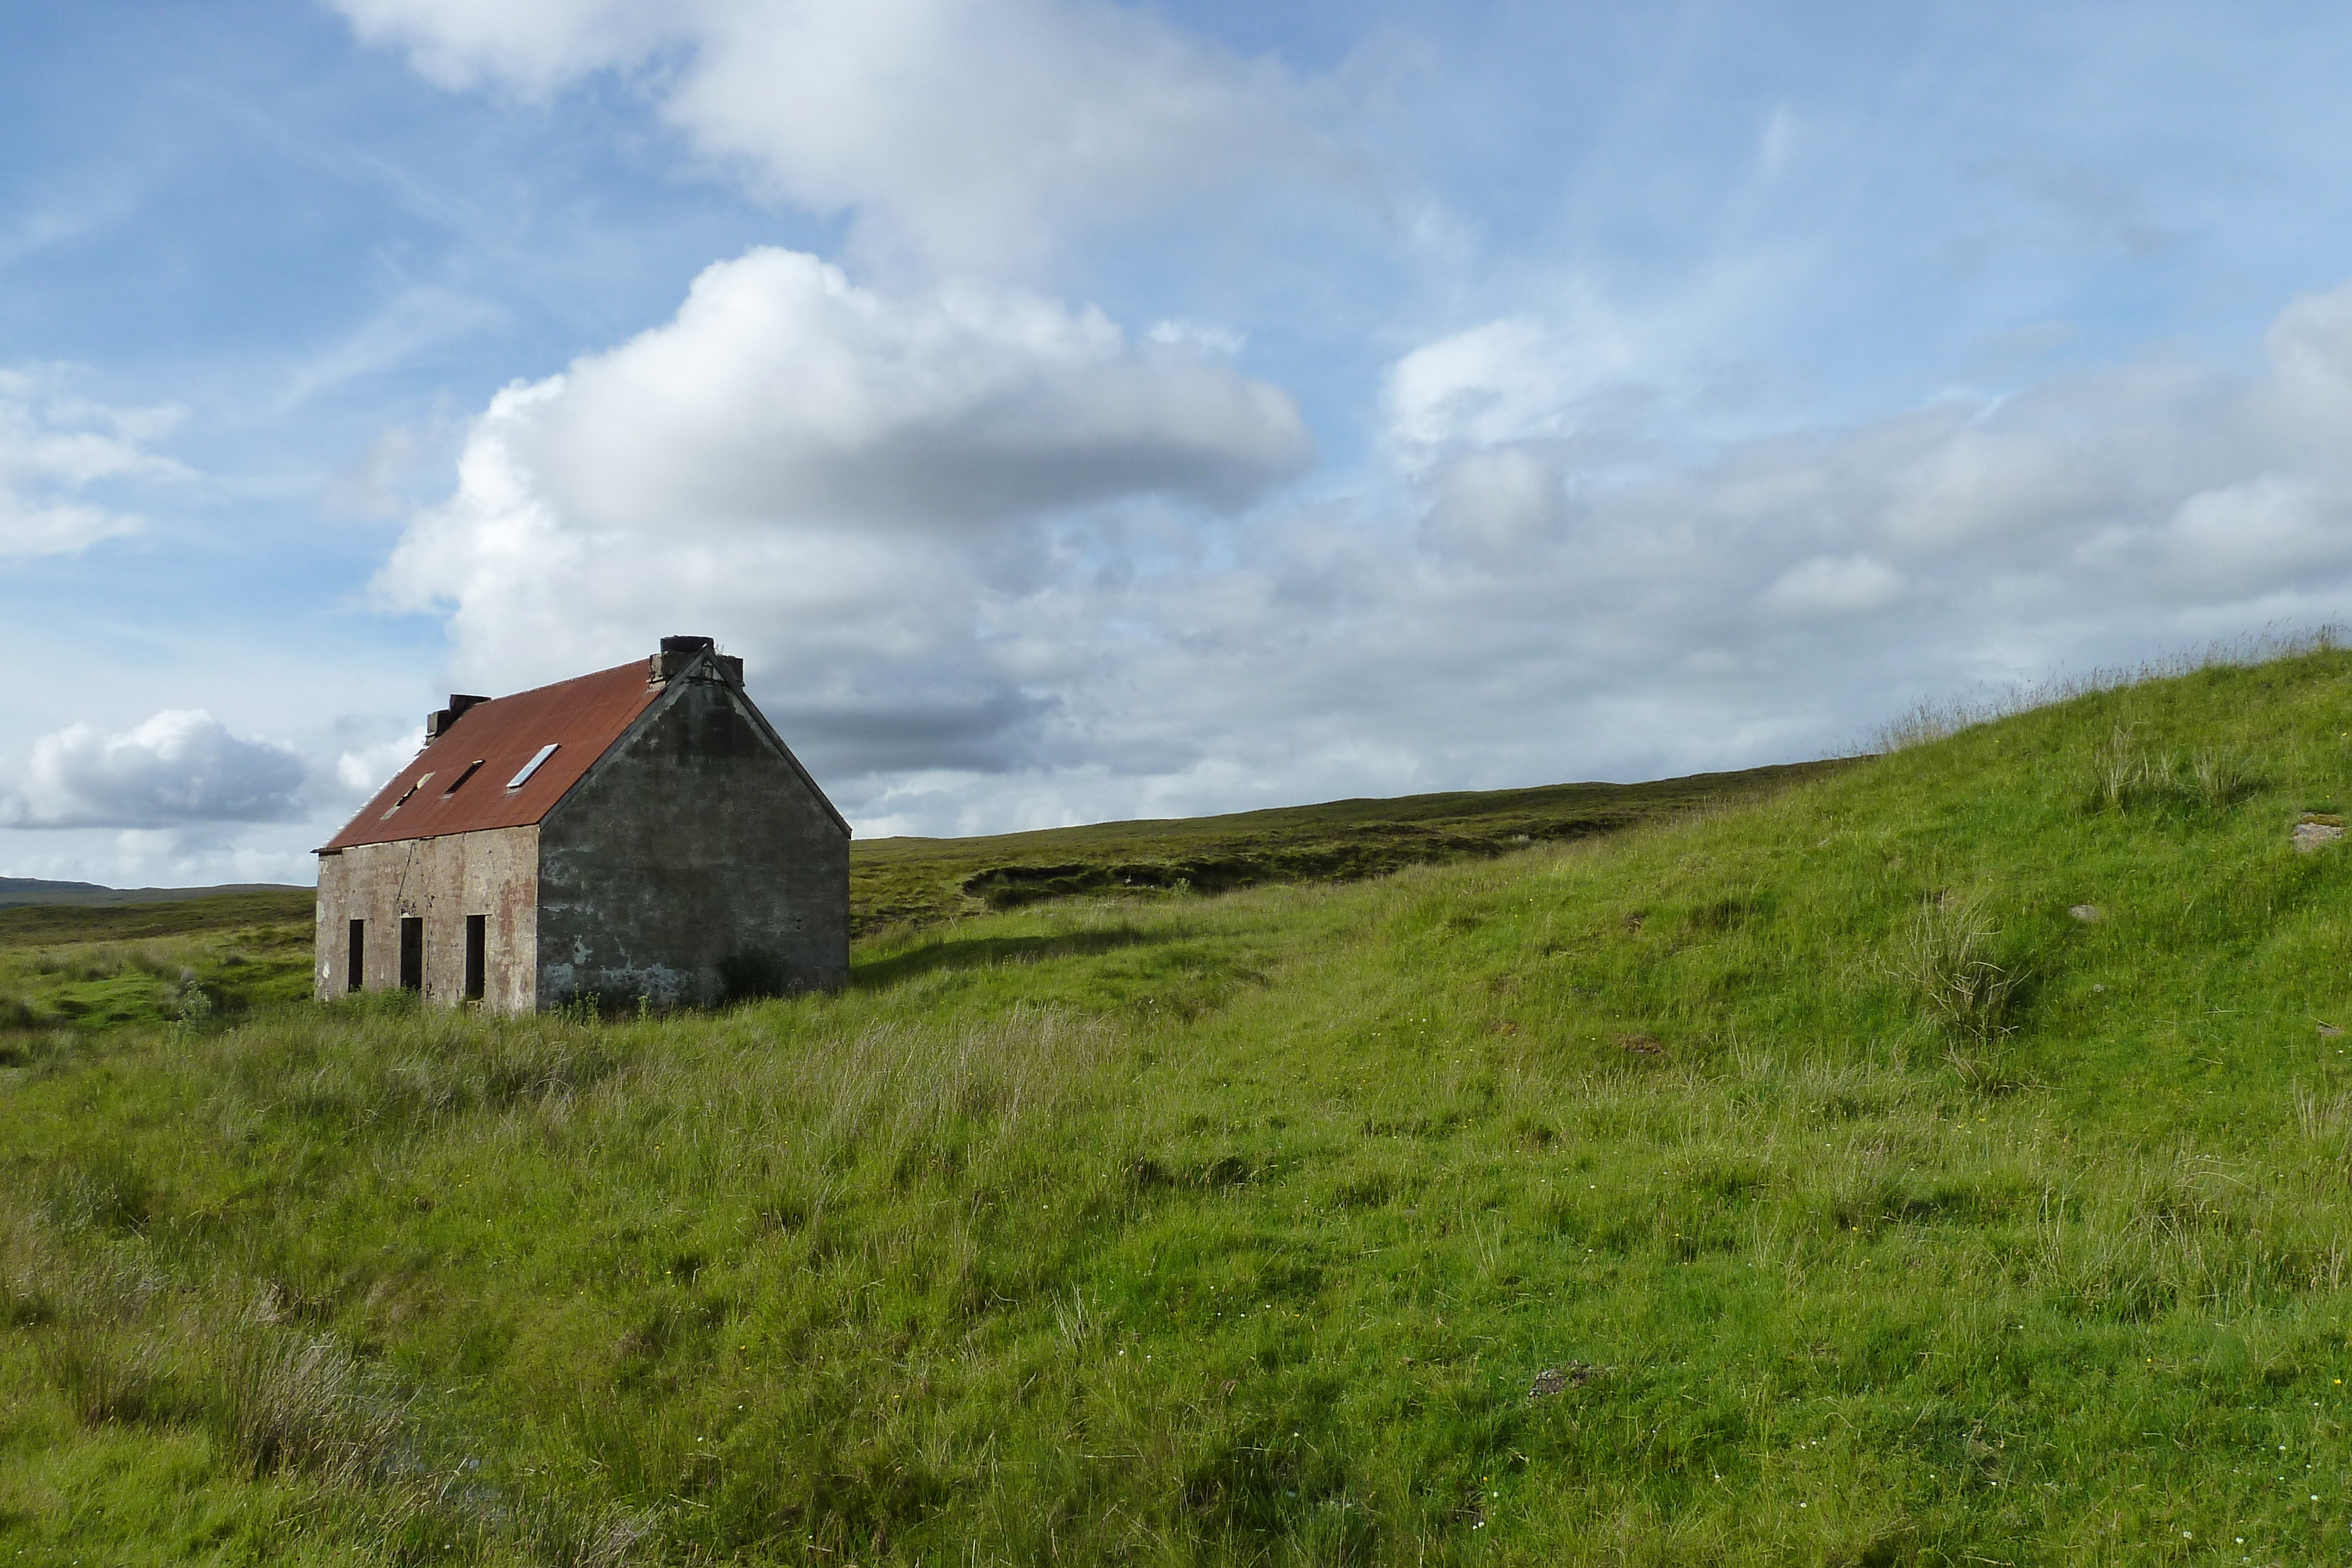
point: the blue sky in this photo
(1075, 411)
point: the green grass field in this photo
(1946, 1159)
(67, 962)
(68, 965)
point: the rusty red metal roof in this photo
(458, 783)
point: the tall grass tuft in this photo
(1947, 959)
(297, 1402)
(107, 1375)
(607, 1538)
(2221, 780)
(2124, 775)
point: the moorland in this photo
(1941, 1157)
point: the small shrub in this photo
(195, 1009)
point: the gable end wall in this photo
(694, 863)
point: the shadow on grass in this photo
(981, 952)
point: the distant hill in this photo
(17, 891)
(913, 881)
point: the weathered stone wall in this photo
(442, 881)
(695, 864)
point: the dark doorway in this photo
(477, 954)
(355, 964)
(412, 953)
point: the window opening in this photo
(422, 780)
(412, 953)
(459, 782)
(477, 952)
(355, 959)
(531, 766)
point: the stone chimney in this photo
(437, 723)
(677, 652)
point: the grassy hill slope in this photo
(1804, 1183)
(912, 881)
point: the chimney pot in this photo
(676, 653)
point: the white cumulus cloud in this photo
(842, 484)
(781, 392)
(180, 767)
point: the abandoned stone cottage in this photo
(639, 832)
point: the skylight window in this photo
(459, 782)
(531, 766)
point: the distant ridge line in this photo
(17, 892)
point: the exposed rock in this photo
(1575, 1374)
(2314, 829)
(2088, 913)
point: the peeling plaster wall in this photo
(442, 881)
(694, 863)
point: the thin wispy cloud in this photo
(974, 134)
(59, 453)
